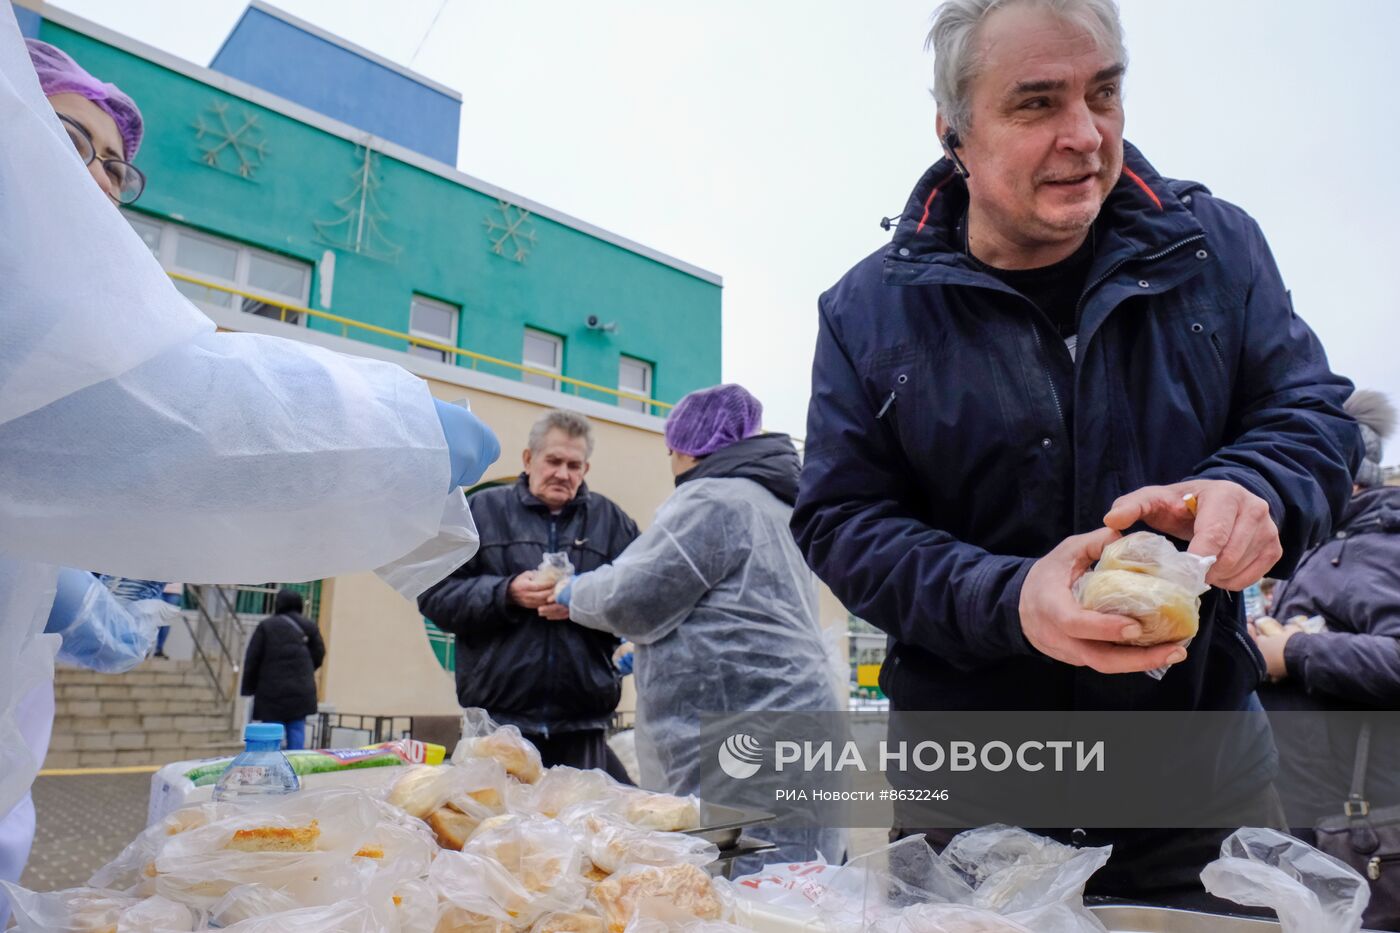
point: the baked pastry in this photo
(457, 920)
(276, 838)
(516, 754)
(682, 888)
(451, 827)
(1166, 611)
(421, 789)
(610, 844)
(1144, 577)
(570, 922)
(663, 812)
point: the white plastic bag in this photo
(611, 843)
(348, 916)
(562, 788)
(83, 910)
(480, 886)
(1017, 875)
(554, 568)
(541, 854)
(1311, 891)
(483, 738)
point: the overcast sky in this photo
(764, 139)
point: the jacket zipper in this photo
(1040, 353)
(1250, 650)
(1219, 356)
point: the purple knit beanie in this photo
(711, 419)
(59, 74)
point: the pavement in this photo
(84, 821)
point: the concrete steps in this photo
(161, 712)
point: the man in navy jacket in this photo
(1059, 344)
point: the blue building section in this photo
(283, 55)
(28, 21)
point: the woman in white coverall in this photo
(718, 601)
(134, 440)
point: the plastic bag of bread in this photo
(1311, 891)
(421, 789)
(665, 813)
(348, 916)
(133, 871)
(90, 910)
(1143, 576)
(473, 884)
(541, 854)
(562, 788)
(611, 844)
(305, 845)
(674, 893)
(483, 738)
(572, 921)
(555, 567)
(248, 901)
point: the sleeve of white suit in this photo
(134, 440)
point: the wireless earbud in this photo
(952, 142)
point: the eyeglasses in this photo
(127, 180)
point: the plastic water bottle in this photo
(260, 770)
(1253, 602)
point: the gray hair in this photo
(570, 422)
(953, 41)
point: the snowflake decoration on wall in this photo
(509, 234)
(358, 229)
(238, 150)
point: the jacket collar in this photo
(768, 459)
(531, 501)
(1143, 215)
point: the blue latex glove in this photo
(566, 594)
(471, 445)
(624, 664)
(99, 632)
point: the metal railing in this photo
(286, 310)
(217, 640)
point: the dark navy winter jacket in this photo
(939, 464)
(1352, 581)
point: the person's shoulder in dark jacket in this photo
(624, 528)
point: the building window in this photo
(634, 377)
(546, 352)
(435, 321)
(224, 262)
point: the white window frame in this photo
(648, 377)
(170, 233)
(558, 367)
(432, 353)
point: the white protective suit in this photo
(134, 440)
(723, 612)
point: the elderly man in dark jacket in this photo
(1060, 338)
(518, 656)
(279, 668)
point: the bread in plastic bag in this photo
(676, 891)
(554, 568)
(666, 813)
(541, 854)
(91, 910)
(199, 866)
(562, 788)
(421, 789)
(1143, 576)
(611, 844)
(483, 738)
(249, 901)
(474, 884)
(1311, 891)
(573, 921)
(347, 916)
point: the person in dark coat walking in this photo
(1352, 581)
(518, 655)
(279, 669)
(1060, 339)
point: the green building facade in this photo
(261, 195)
